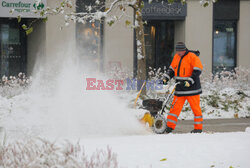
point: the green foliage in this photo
(11, 11)
(214, 166)
(24, 26)
(57, 9)
(29, 30)
(42, 13)
(242, 94)
(164, 159)
(225, 106)
(127, 22)
(45, 19)
(230, 102)
(142, 5)
(183, 2)
(213, 100)
(110, 23)
(206, 4)
(187, 108)
(203, 108)
(62, 4)
(225, 102)
(18, 18)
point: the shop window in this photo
(159, 43)
(224, 46)
(89, 38)
(12, 48)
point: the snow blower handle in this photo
(173, 88)
(168, 97)
(138, 95)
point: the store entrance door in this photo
(12, 48)
(159, 41)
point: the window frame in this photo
(79, 4)
(235, 23)
(23, 41)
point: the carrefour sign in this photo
(24, 8)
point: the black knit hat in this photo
(180, 46)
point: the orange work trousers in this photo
(176, 108)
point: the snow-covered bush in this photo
(116, 72)
(225, 94)
(11, 86)
(40, 153)
(156, 74)
(239, 79)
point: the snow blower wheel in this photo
(160, 124)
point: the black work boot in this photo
(168, 130)
(196, 131)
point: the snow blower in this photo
(157, 108)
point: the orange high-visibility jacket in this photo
(186, 68)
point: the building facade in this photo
(220, 32)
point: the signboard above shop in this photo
(24, 8)
(162, 10)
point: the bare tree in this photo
(97, 12)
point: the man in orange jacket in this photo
(186, 67)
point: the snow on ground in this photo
(226, 103)
(220, 150)
(229, 105)
(57, 106)
(205, 150)
(66, 114)
(69, 111)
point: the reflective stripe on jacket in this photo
(186, 68)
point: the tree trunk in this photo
(141, 55)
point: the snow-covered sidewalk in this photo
(220, 150)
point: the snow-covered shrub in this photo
(227, 93)
(239, 80)
(41, 153)
(156, 74)
(116, 72)
(227, 102)
(11, 86)
(224, 94)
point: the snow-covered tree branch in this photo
(102, 11)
